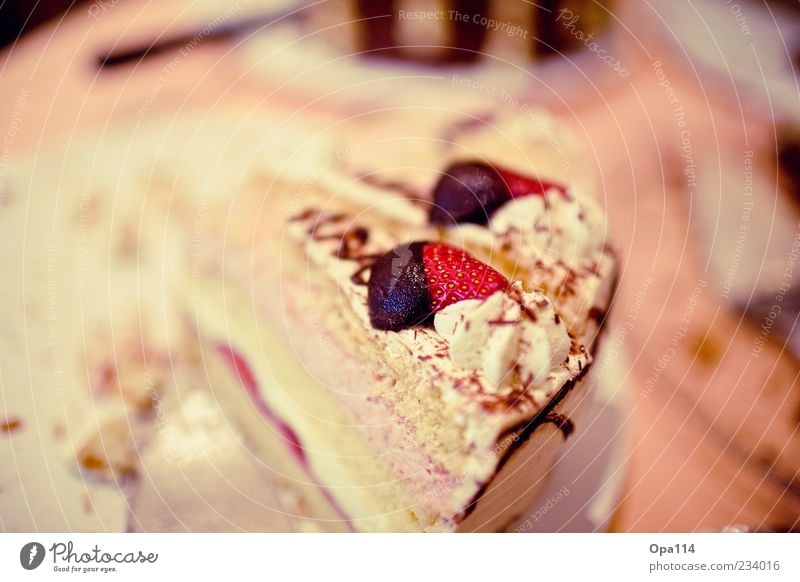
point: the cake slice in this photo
(405, 365)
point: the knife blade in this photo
(205, 33)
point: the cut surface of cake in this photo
(407, 343)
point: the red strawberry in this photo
(519, 185)
(411, 282)
(454, 275)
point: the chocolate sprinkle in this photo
(352, 242)
(305, 215)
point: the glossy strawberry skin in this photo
(453, 275)
(519, 185)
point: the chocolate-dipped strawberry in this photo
(413, 281)
(472, 191)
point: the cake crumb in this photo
(110, 453)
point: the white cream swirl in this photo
(510, 336)
(551, 224)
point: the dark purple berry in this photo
(468, 192)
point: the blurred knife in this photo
(207, 32)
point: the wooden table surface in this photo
(712, 429)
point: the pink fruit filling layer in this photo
(239, 366)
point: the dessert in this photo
(438, 423)
(407, 348)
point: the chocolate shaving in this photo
(322, 221)
(352, 241)
(597, 314)
(323, 237)
(528, 313)
(523, 431)
(365, 264)
(401, 188)
(562, 422)
(358, 277)
(10, 425)
(305, 215)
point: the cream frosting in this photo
(557, 243)
(550, 227)
(512, 335)
(551, 224)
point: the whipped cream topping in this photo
(551, 225)
(511, 336)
